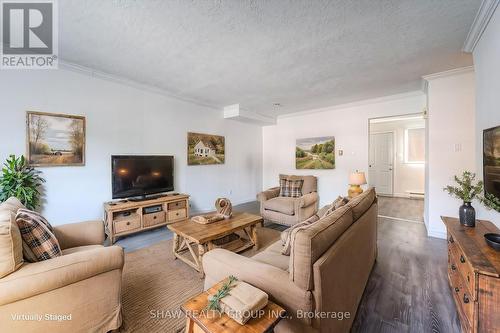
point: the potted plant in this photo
(20, 180)
(467, 190)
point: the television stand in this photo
(129, 217)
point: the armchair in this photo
(289, 211)
(83, 286)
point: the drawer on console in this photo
(177, 214)
(465, 270)
(461, 295)
(176, 205)
(127, 225)
(153, 219)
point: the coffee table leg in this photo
(176, 244)
(201, 252)
(253, 230)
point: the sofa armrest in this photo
(80, 234)
(43, 276)
(268, 194)
(218, 264)
(308, 199)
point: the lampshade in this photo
(357, 178)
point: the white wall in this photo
(125, 120)
(487, 68)
(408, 177)
(451, 142)
(349, 125)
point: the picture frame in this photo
(54, 139)
(315, 153)
(205, 149)
(491, 161)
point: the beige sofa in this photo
(325, 275)
(85, 282)
(289, 211)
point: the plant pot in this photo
(467, 215)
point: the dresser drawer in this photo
(465, 269)
(125, 225)
(461, 295)
(177, 214)
(176, 205)
(153, 219)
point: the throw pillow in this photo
(288, 242)
(291, 188)
(38, 236)
(11, 250)
(337, 203)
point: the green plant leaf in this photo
(20, 180)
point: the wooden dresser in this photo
(128, 217)
(474, 275)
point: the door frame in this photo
(402, 115)
(393, 156)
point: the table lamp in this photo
(356, 179)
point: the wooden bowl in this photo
(493, 240)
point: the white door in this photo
(380, 172)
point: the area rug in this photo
(155, 285)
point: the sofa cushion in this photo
(272, 256)
(37, 233)
(12, 204)
(281, 204)
(309, 243)
(11, 248)
(310, 182)
(362, 202)
(288, 232)
(291, 188)
(80, 249)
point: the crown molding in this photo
(451, 72)
(354, 104)
(68, 66)
(480, 23)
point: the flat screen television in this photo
(134, 176)
(491, 161)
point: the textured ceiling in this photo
(303, 54)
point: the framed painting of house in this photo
(55, 139)
(315, 153)
(204, 149)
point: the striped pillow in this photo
(39, 241)
(291, 188)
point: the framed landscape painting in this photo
(491, 161)
(315, 153)
(204, 149)
(55, 139)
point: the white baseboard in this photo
(437, 234)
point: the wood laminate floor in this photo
(408, 289)
(401, 208)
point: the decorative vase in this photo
(467, 215)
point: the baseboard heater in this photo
(415, 194)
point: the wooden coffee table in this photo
(201, 320)
(189, 234)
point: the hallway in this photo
(401, 208)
